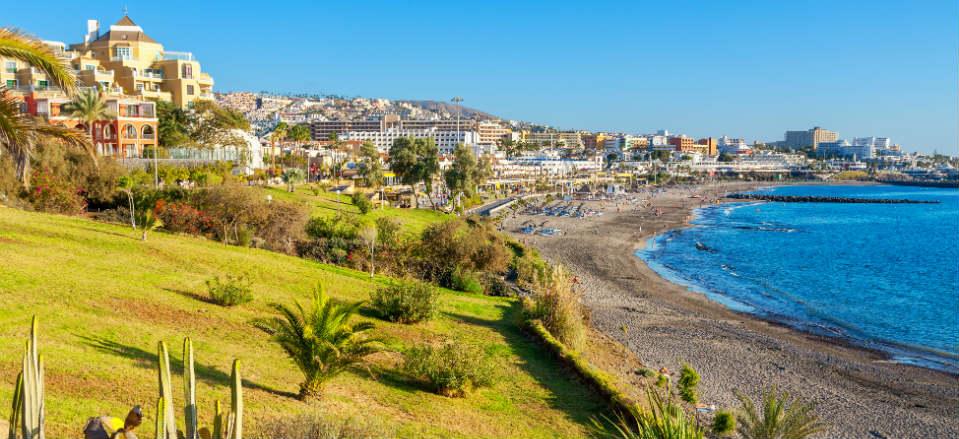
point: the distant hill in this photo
(451, 109)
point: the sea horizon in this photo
(727, 253)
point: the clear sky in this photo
(748, 69)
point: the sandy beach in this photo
(860, 393)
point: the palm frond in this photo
(17, 45)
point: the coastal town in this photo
(364, 267)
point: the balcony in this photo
(150, 74)
(177, 56)
(121, 58)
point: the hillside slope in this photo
(105, 299)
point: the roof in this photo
(126, 35)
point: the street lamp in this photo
(459, 110)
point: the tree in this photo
(173, 127)
(779, 417)
(320, 339)
(467, 172)
(299, 133)
(370, 169)
(415, 161)
(278, 134)
(88, 107)
(19, 132)
(292, 176)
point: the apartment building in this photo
(683, 143)
(446, 141)
(811, 137)
(492, 133)
(708, 146)
(553, 139)
(140, 65)
(322, 129)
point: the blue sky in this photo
(739, 68)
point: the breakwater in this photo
(823, 199)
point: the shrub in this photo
(182, 218)
(780, 416)
(320, 339)
(234, 290)
(724, 423)
(472, 245)
(361, 202)
(54, 194)
(688, 381)
(494, 285)
(452, 369)
(665, 419)
(314, 426)
(463, 280)
(409, 301)
(557, 306)
(530, 271)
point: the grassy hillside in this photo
(329, 204)
(105, 299)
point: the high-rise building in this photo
(492, 133)
(811, 137)
(710, 146)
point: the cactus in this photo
(166, 392)
(235, 429)
(17, 407)
(32, 392)
(189, 391)
(160, 422)
(217, 420)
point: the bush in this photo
(665, 419)
(463, 280)
(724, 423)
(557, 306)
(494, 285)
(181, 218)
(314, 426)
(530, 271)
(452, 369)
(471, 245)
(51, 193)
(688, 381)
(234, 290)
(409, 301)
(361, 202)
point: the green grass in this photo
(105, 299)
(328, 204)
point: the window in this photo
(147, 132)
(188, 72)
(42, 85)
(108, 132)
(189, 90)
(11, 83)
(123, 52)
(11, 67)
(89, 67)
(129, 132)
(139, 86)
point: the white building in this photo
(842, 148)
(733, 146)
(446, 141)
(875, 142)
(542, 165)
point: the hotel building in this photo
(811, 137)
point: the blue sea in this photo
(882, 276)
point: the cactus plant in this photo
(32, 392)
(166, 392)
(189, 391)
(16, 407)
(217, 420)
(160, 421)
(235, 430)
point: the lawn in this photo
(329, 204)
(105, 299)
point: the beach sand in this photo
(860, 393)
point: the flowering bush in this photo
(182, 218)
(51, 193)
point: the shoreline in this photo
(899, 353)
(859, 391)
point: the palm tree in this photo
(21, 133)
(319, 339)
(782, 417)
(88, 107)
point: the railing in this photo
(154, 75)
(121, 58)
(177, 56)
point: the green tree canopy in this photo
(415, 161)
(467, 171)
(298, 133)
(370, 167)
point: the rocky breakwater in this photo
(819, 199)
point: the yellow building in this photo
(139, 65)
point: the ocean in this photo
(881, 276)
